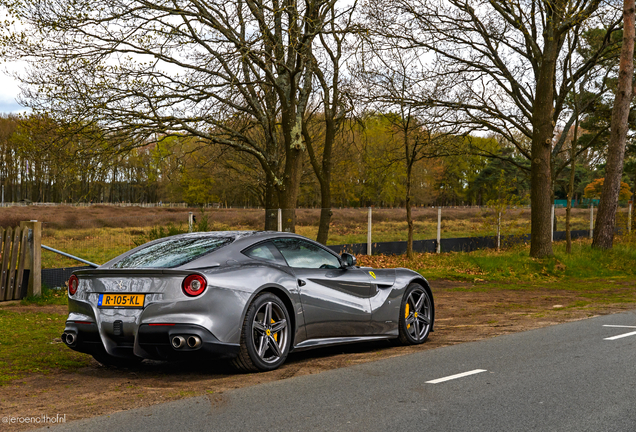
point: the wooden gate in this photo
(13, 251)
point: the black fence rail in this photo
(465, 244)
(58, 277)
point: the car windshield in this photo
(174, 252)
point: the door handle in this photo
(301, 282)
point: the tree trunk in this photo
(568, 211)
(325, 214)
(292, 125)
(324, 177)
(288, 194)
(409, 215)
(633, 227)
(271, 207)
(606, 217)
(543, 131)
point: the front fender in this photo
(419, 279)
(387, 301)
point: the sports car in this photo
(252, 297)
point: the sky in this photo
(9, 90)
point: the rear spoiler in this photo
(116, 271)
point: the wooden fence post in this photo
(552, 224)
(439, 230)
(498, 231)
(369, 227)
(5, 250)
(11, 276)
(34, 256)
(591, 221)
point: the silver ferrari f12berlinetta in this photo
(252, 297)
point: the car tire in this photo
(118, 362)
(416, 315)
(265, 335)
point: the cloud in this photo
(9, 89)
(11, 106)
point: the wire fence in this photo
(25, 203)
(100, 233)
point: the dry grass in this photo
(97, 216)
(100, 216)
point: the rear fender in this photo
(293, 305)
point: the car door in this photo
(335, 300)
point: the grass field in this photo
(30, 344)
(100, 233)
(516, 265)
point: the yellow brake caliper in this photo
(275, 334)
(406, 314)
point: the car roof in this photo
(242, 240)
(245, 239)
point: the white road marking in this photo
(621, 336)
(452, 377)
(620, 326)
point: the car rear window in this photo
(174, 252)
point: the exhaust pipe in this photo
(69, 338)
(178, 342)
(194, 342)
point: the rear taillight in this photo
(73, 283)
(194, 285)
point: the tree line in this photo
(325, 102)
(368, 170)
(43, 163)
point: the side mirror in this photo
(348, 260)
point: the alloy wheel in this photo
(270, 332)
(417, 314)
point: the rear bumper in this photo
(156, 341)
(152, 342)
(87, 338)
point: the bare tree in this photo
(333, 103)
(606, 219)
(503, 64)
(236, 74)
(394, 84)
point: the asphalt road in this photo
(561, 378)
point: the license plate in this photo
(121, 300)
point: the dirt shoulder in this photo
(464, 312)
